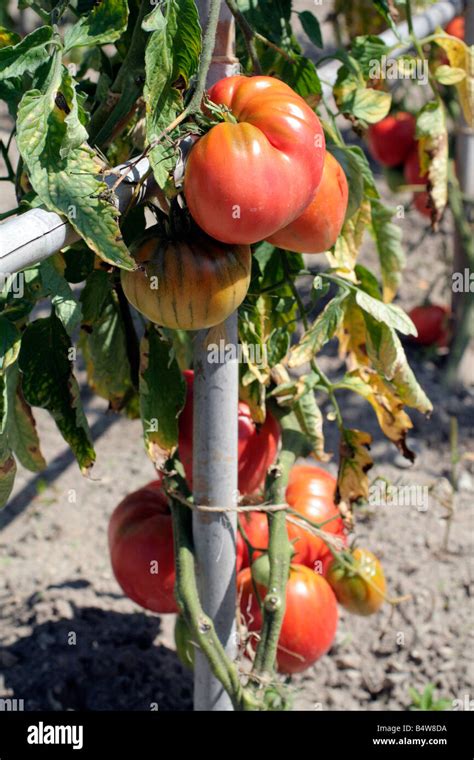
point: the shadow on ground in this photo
(96, 660)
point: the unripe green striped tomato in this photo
(188, 284)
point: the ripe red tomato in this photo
(187, 284)
(141, 548)
(413, 176)
(351, 587)
(257, 444)
(320, 224)
(246, 179)
(392, 139)
(310, 621)
(432, 324)
(457, 27)
(255, 526)
(311, 491)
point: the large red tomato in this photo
(310, 620)
(351, 587)
(141, 548)
(392, 139)
(249, 177)
(432, 324)
(413, 176)
(257, 444)
(311, 491)
(318, 227)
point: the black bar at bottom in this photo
(134, 734)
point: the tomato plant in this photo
(275, 139)
(257, 448)
(141, 548)
(310, 620)
(358, 582)
(181, 204)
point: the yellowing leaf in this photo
(388, 407)
(352, 336)
(433, 153)
(346, 251)
(461, 56)
(354, 463)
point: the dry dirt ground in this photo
(69, 639)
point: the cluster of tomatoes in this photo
(262, 173)
(142, 554)
(393, 144)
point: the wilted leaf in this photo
(461, 57)
(103, 342)
(321, 331)
(388, 313)
(48, 382)
(432, 137)
(388, 358)
(388, 407)
(7, 462)
(68, 184)
(162, 396)
(346, 250)
(310, 419)
(22, 433)
(354, 464)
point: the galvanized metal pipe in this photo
(215, 457)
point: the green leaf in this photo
(22, 433)
(301, 75)
(310, 419)
(388, 240)
(277, 346)
(67, 309)
(355, 180)
(162, 396)
(104, 343)
(311, 26)
(387, 313)
(171, 57)
(48, 382)
(103, 25)
(95, 295)
(320, 332)
(9, 343)
(79, 261)
(27, 55)
(49, 122)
